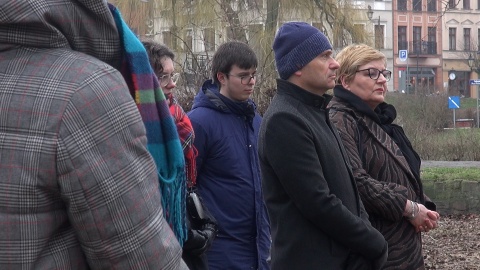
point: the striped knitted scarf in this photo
(163, 141)
(186, 134)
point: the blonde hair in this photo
(352, 57)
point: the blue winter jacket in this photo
(228, 179)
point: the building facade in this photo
(418, 31)
(378, 22)
(439, 37)
(461, 39)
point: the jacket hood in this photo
(85, 26)
(209, 97)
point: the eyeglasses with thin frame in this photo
(245, 79)
(374, 73)
(165, 79)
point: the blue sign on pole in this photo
(454, 102)
(403, 55)
(474, 82)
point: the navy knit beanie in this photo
(295, 45)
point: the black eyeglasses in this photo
(246, 79)
(374, 73)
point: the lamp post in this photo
(370, 17)
(473, 64)
(417, 50)
(369, 13)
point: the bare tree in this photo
(195, 28)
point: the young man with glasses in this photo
(226, 128)
(318, 220)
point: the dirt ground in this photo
(454, 245)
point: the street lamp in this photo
(377, 29)
(370, 14)
(472, 63)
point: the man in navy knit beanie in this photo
(316, 216)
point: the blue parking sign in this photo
(454, 102)
(403, 55)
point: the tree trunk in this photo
(237, 30)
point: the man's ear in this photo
(221, 77)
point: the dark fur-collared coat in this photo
(384, 178)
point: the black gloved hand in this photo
(200, 240)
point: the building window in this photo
(338, 37)
(255, 34)
(243, 5)
(379, 34)
(432, 5)
(466, 39)
(188, 42)
(168, 39)
(209, 39)
(451, 4)
(478, 4)
(402, 5)
(417, 39)
(254, 4)
(432, 40)
(402, 38)
(466, 4)
(230, 35)
(417, 5)
(452, 39)
(478, 40)
(356, 35)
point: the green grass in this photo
(450, 174)
(468, 103)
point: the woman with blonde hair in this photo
(386, 167)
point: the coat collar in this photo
(288, 88)
(355, 102)
(375, 131)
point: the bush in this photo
(427, 121)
